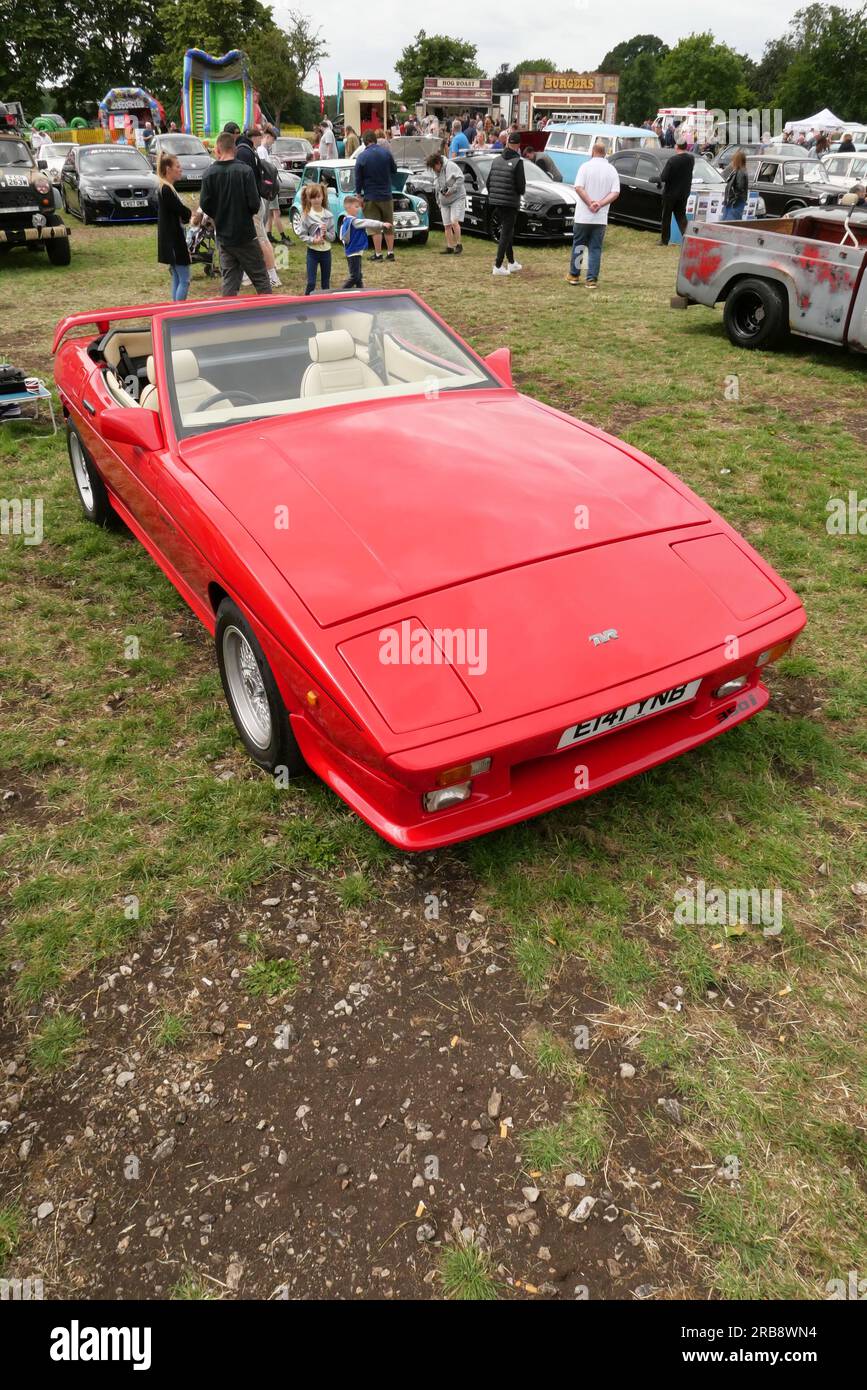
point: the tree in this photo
(217, 26)
(76, 50)
(827, 49)
(619, 58)
(534, 65)
(305, 46)
(638, 99)
(273, 71)
(434, 56)
(505, 79)
(698, 69)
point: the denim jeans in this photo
(733, 212)
(180, 281)
(316, 259)
(591, 235)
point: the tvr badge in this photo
(600, 638)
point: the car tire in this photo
(756, 314)
(295, 220)
(794, 207)
(251, 693)
(84, 214)
(421, 239)
(58, 250)
(64, 202)
(88, 484)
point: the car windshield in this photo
(112, 161)
(181, 144)
(702, 171)
(265, 361)
(807, 173)
(56, 152)
(14, 152)
(285, 145)
(534, 174)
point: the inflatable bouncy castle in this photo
(216, 90)
(132, 102)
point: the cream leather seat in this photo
(190, 388)
(148, 397)
(334, 366)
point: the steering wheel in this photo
(233, 397)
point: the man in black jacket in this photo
(676, 188)
(230, 196)
(247, 152)
(506, 184)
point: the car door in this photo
(477, 198)
(770, 176)
(625, 208)
(647, 190)
(69, 182)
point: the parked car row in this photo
(115, 183)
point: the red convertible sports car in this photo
(458, 606)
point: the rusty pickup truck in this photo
(803, 273)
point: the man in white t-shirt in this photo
(597, 185)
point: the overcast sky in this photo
(365, 41)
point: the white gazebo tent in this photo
(823, 120)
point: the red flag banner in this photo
(321, 96)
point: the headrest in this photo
(152, 372)
(358, 323)
(184, 365)
(333, 346)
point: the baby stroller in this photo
(202, 241)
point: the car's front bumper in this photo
(529, 775)
(527, 789)
(109, 210)
(21, 236)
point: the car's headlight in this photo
(421, 204)
(531, 207)
(43, 187)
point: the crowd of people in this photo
(239, 196)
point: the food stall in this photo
(447, 97)
(365, 103)
(567, 96)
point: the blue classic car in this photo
(411, 222)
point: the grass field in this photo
(134, 802)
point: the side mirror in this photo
(42, 163)
(141, 429)
(500, 363)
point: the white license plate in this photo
(133, 202)
(627, 714)
(402, 235)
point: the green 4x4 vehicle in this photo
(27, 214)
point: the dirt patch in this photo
(799, 697)
(331, 1143)
(20, 802)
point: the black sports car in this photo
(109, 183)
(547, 209)
(789, 182)
(640, 174)
(192, 155)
